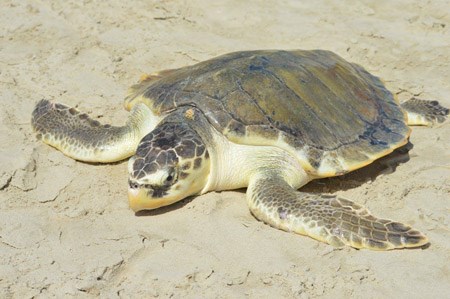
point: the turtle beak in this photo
(140, 199)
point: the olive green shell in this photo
(332, 114)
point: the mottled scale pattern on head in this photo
(333, 114)
(165, 147)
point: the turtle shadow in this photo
(167, 209)
(384, 165)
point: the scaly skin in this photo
(170, 163)
(329, 219)
(424, 113)
(82, 138)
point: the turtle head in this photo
(171, 163)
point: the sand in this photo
(65, 226)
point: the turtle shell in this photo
(332, 114)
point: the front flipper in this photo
(82, 138)
(329, 219)
(424, 113)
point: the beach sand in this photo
(65, 226)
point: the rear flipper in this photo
(329, 219)
(82, 138)
(424, 113)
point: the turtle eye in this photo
(171, 177)
(133, 185)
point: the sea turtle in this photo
(271, 121)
